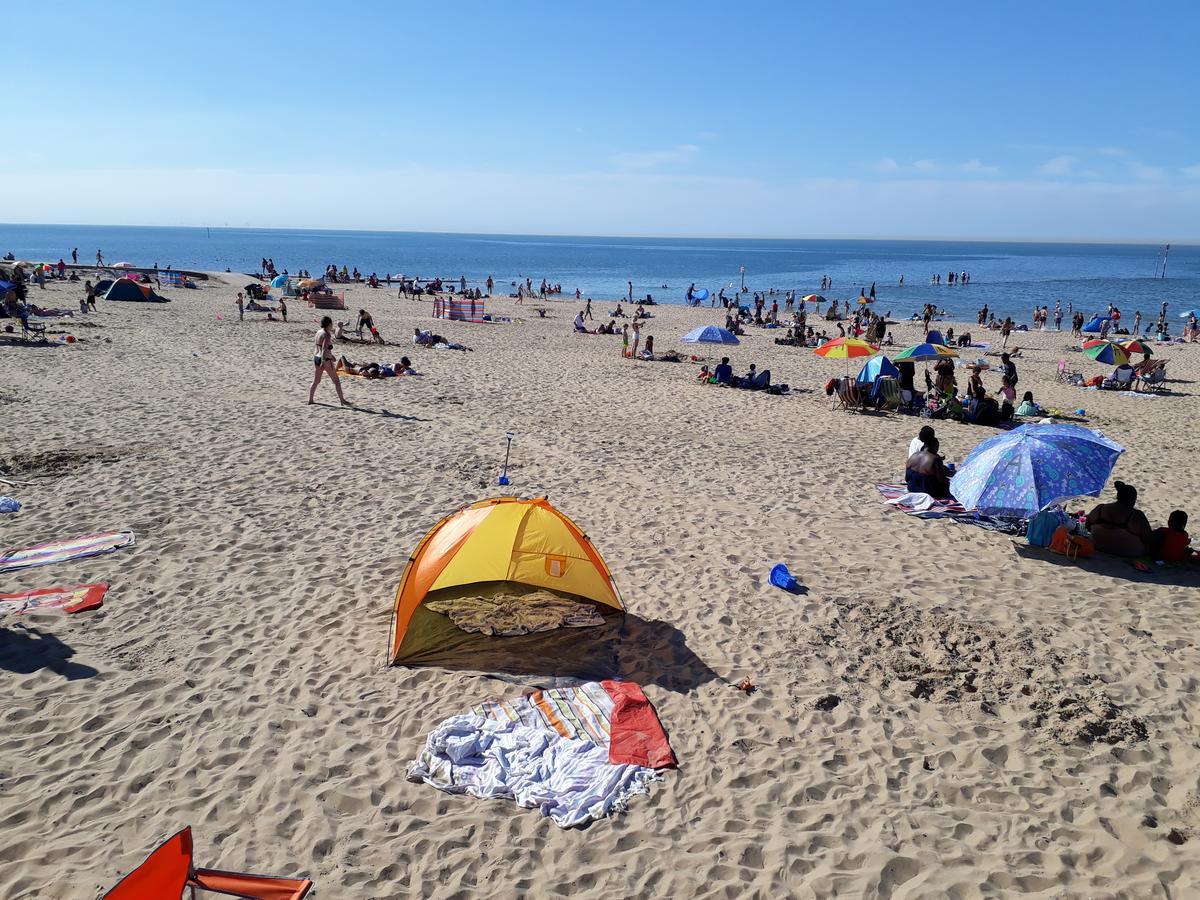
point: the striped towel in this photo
(577, 754)
(937, 509)
(65, 600)
(948, 509)
(581, 713)
(61, 551)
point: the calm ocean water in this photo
(1009, 277)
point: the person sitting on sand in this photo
(1007, 391)
(723, 373)
(580, 327)
(975, 381)
(1120, 528)
(648, 350)
(1028, 407)
(944, 371)
(619, 313)
(922, 438)
(1170, 544)
(925, 472)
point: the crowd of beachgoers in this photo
(253, 508)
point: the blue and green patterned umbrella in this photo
(1020, 472)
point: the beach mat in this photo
(62, 600)
(60, 551)
(948, 509)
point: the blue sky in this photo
(1051, 120)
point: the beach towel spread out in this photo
(577, 754)
(64, 600)
(924, 506)
(61, 551)
(507, 616)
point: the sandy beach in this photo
(943, 713)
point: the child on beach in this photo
(1170, 544)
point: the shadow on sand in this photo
(383, 413)
(1180, 574)
(25, 649)
(647, 651)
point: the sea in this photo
(1010, 278)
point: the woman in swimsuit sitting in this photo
(323, 361)
(925, 472)
(1120, 528)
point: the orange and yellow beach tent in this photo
(502, 539)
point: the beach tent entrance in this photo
(502, 540)
(124, 289)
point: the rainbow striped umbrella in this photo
(1106, 352)
(1136, 345)
(812, 298)
(925, 352)
(846, 348)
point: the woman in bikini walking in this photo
(324, 362)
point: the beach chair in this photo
(1066, 376)
(888, 394)
(1151, 376)
(170, 870)
(33, 331)
(849, 397)
(1121, 380)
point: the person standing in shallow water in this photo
(323, 361)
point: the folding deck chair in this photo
(1066, 376)
(849, 396)
(1151, 377)
(170, 870)
(889, 393)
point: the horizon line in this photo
(1186, 242)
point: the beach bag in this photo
(1072, 546)
(1043, 526)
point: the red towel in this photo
(636, 736)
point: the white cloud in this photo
(613, 202)
(1147, 173)
(889, 166)
(652, 159)
(976, 167)
(1064, 164)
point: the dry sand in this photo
(932, 718)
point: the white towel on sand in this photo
(571, 781)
